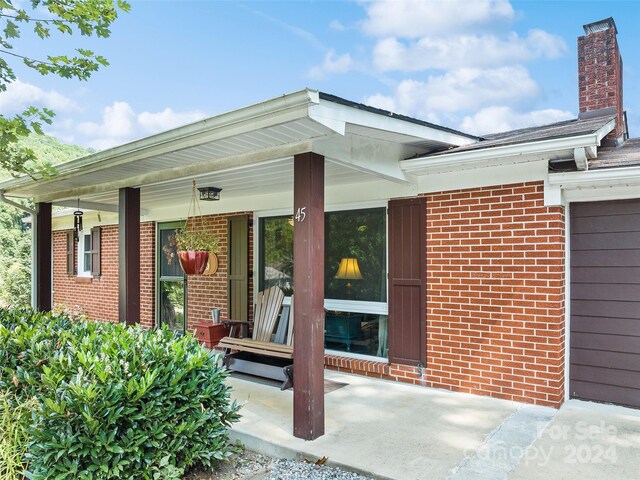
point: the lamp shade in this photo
(349, 269)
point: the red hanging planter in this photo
(193, 262)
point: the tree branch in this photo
(27, 58)
(30, 19)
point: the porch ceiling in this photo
(266, 177)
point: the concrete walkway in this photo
(393, 431)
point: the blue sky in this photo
(479, 66)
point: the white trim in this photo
(605, 176)
(552, 194)
(356, 356)
(336, 115)
(484, 177)
(372, 156)
(81, 252)
(357, 306)
(516, 153)
(333, 207)
(596, 185)
(567, 301)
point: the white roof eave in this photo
(616, 183)
(521, 152)
(286, 107)
(605, 177)
(336, 116)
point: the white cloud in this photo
(332, 64)
(417, 18)
(121, 124)
(458, 91)
(502, 119)
(20, 95)
(166, 119)
(382, 101)
(450, 52)
(471, 63)
(117, 122)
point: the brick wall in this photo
(495, 297)
(147, 274)
(98, 297)
(495, 293)
(207, 291)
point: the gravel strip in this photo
(292, 470)
(253, 466)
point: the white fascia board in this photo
(483, 177)
(601, 177)
(336, 115)
(605, 130)
(596, 185)
(271, 112)
(521, 152)
(365, 154)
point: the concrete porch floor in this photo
(389, 430)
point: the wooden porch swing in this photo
(268, 352)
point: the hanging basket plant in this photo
(195, 243)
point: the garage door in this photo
(605, 302)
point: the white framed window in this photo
(355, 274)
(84, 254)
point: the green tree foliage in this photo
(86, 17)
(15, 257)
(15, 234)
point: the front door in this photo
(170, 280)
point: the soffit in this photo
(423, 144)
(263, 178)
(186, 160)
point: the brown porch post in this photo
(42, 260)
(308, 285)
(129, 256)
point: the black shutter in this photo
(95, 251)
(71, 253)
(407, 281)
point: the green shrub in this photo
(115, 402)
(15, 418)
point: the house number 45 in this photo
(300, 214)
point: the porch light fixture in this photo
(209, 194)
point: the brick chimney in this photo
(600, 76)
